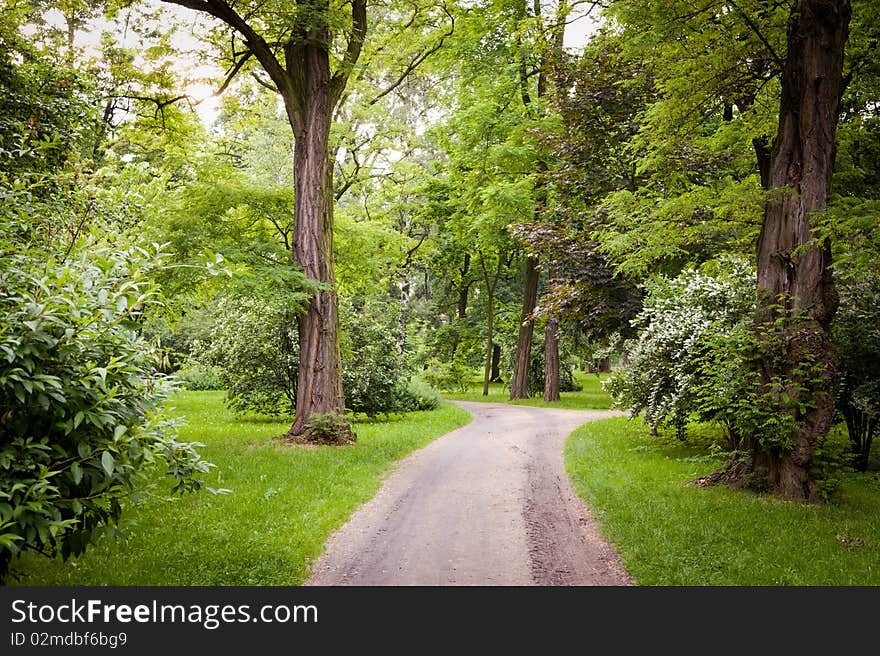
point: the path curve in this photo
(487, 504)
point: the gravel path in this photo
(487, 504)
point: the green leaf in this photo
(118, 432)
(108, 463)
(76, 472)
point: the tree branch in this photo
(255, 43)
(417, 61)
(352, 50)
(776, 58)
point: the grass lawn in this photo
(285, 502)
(671, 534)
(591, 397)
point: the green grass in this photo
(285, 502)
(592, 396)
(672, 534)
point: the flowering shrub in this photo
(679, 327)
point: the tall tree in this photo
(297, 49)
(548, 44)
(722, 66)
(794, 271)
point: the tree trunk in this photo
(463, 287)
(551, 361)
(491, 284)
(319, 386)
(519, 383)
(794, 276)
(496, 364)
(490, 320)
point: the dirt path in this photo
(487, 504)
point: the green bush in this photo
(82, 405)
(417, 395)
(198, 377)
(255, 347)
(373, 371)
(689, 355)
(453, 376)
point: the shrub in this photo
(453, 376)
(82, 405)
(373, 372)
(196, 377)
(255, 347)
(417, 395)
(689, 354)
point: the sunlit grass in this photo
(669, 533)
(284, 503)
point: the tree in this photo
(296, 50)
(714, 81)
(795, 284)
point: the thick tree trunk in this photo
(794, 276)
(551, 361)
(519, 383)
(319, 386)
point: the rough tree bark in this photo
(310, 91)
(496, 364)
(551, 361)
(464, 287)
(794, 276)
(491, 283)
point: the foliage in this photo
(254, 344)
(285, 503)
(670, 356)
(734, 389)
(373, 370)
(327, 427)
(856, 330)
(448, 376)
(417, 395)
(198, 377)
(82, 405)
